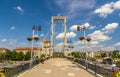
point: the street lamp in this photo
(32, 39)
(79, 28)
(69, 44)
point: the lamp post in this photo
(69, 44)
(32, 39)
(79, 28)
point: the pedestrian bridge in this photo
(56, 67)
(60, 67)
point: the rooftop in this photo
(27, 48)
(46, 40)
(4, 49)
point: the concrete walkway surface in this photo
(57, 67)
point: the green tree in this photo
(78, 54)
(103, 55)
(2, 56)
(14, 55)
(8, 55)
(42, 56)
(61, 54)
(118, 55)
(20, 56)
(115, 54)
(27, 55)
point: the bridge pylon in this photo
(58, 18)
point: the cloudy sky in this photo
(101, 17)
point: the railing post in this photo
(95, 68)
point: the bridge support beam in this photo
(52, 34)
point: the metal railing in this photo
(94, 67)
(14, 71)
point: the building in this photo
(36, 50)
(101, 52)
(46, 47)
(98, 54)
(90, 54)
(3, 49)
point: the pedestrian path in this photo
(57, 67)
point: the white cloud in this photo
(116, 5)
(109, 28)
(107, 9)
(59, 44)
(73, 28)
(42, 35)
(87, 25)
(109, 48)
(72, 8)
(104, 10)
(68, 35)
(23, 44)
(71, 35)
(4, 40)
(117, 44)
(19, 8)
(12, 28)
(99, 36)
(59, 47)
(38, 43)
(94, 42)
(92, 27)
(12, 42)
(36, 35)
(60, 36)
(94, 47)
(78, 42)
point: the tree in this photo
(8, 55)
(103, 55)
(42, 56)
(115, 54)
(14, 55)
(2, 56)
(78, 54)
(20, 56)
(27, 55)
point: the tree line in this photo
(14, 56)
(112, 54)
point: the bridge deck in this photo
(57, 67)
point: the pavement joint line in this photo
(90, 71)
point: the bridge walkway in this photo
(56, 67)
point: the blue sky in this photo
(101, 17)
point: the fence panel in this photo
(94, 67)
(13, 71)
